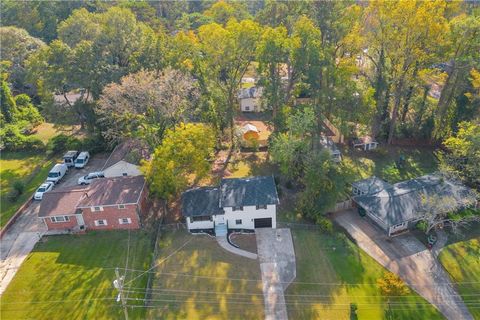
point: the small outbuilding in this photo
(366, 143)
(328, 144)
(250, 99)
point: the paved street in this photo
(407, 257)
(22, 236)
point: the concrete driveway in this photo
(277, 264)
(22, 236)
(407, 257)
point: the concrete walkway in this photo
(18, 242)
(223, 242)
(407, 257)
(277, 264)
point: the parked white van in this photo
(69, 158)
(82, 160)
(57, 172)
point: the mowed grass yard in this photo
(381, 162)
(462, 262)
(70, 277)
(29, 167)
(197, 279)
(333, 273)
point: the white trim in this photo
(107, 205)
(121, 221)
(54, 219)
(97, 223)
(94, 208)
(121, 206)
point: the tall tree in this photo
(17, 45)
(463, 54)
(400, 38)
(182, 157)
(145, 104)
(224, 54)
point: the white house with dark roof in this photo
(250, 99)
(237, 204)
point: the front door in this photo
(80, 221)
(220, 219)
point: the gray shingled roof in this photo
(201, 202)
(403, 201)
(371, 185)
(248, 192)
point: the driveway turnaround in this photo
(407, 257)
(278, 267)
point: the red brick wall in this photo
(61, 225)
(111, 214)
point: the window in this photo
(100, 222)
(121, 206)
(238, 221)
(60, 219)
(201, 218)
(124, 174)
(237, 208)
(125, 221)
(261, 206)
(247, 108)
(95, 209)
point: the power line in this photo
(149, 270)
(293, 282)
(156, 290)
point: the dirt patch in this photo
(247, 242)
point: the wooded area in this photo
(144, 69)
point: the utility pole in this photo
(118, 284)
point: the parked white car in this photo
(89, 177)
(44, 187)
(58, 171)
(82, 160)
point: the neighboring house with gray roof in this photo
(125, 159)
(238, 204)
(396, 207)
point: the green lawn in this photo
(381, 163)
(209, 287)
(462, 262)
(31, 168)
(347, 276)
(70, 277)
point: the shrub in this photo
(62, 143)
(422, 226)
(325, 223)
(14, 140)
(18, 189)
(19, 186)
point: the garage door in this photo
(263, 223)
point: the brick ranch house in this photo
(106, 204)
